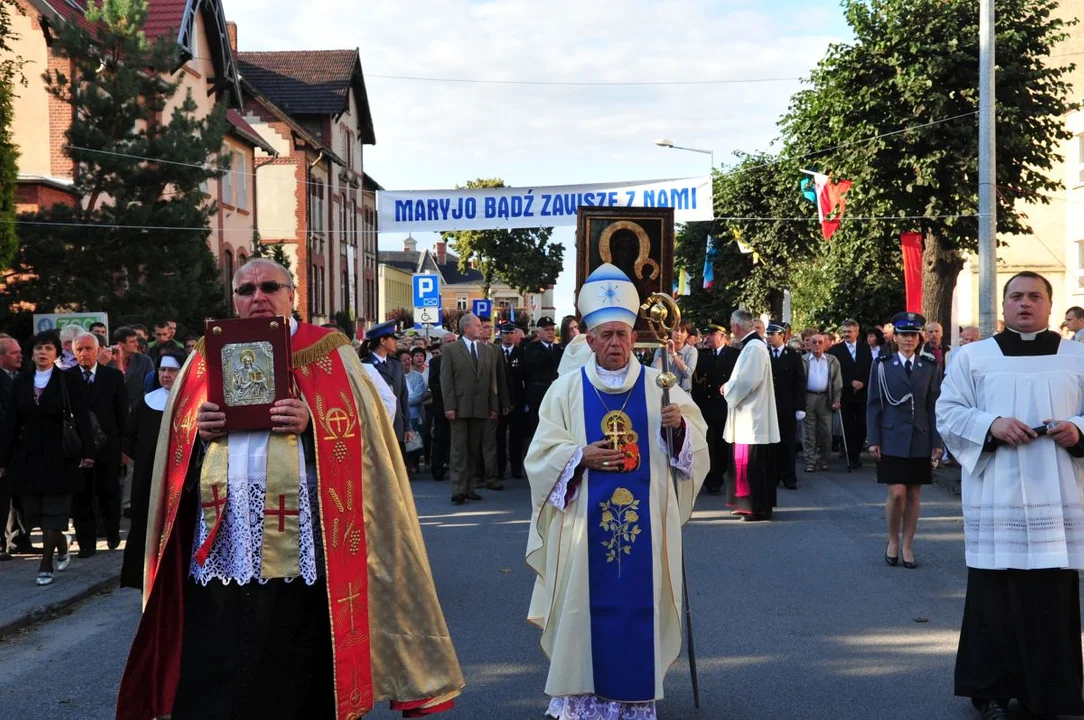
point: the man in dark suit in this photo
(788, 377)
(382, 347)
(438, 460)
(855, 361)
(107, 398)
(468, 382)
(714, 366)
(540, 362)
(13, 534)
(510, 430)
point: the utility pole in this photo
(987, 173)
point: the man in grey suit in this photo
(468, 382)
(823, 393)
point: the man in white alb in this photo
(1011, 412)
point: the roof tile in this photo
(302, 82)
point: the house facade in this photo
(313, 108)
(459, 288)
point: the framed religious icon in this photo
(248, 369)
(639, 241)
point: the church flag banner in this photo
(542, 206)
(911, 243)
(829, 199)
(709, 265)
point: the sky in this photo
(437, 134)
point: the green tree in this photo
(524, 259)
(913, 61)
(272, 251)
(136, 246)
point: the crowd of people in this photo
(70, 428)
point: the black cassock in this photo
(788, 376)
(1020, 636)
(713, 370)
(140, 441)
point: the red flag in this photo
(912, 269)
(830, 202)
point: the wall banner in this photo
(545, 206)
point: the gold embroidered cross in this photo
(349, 598)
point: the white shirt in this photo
(818, 374)
(1079, 336)
(93, 372)
(470, 347)
(903, 360)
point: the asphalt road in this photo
(798, 618)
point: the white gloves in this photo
(799, 415)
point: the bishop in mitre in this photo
(605, 537)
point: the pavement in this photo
(797, 618)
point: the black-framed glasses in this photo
(268, 287)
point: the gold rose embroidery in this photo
(619, 517)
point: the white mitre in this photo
(608, 296)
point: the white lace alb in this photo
(590, 707)
(237, 551)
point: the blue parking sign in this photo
(482, 308)
(426, 291)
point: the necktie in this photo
(777, 353)
(907, 367)
(474, 352)
(851, 348)
(86, 376)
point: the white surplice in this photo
(752, 418)
(557, 546)
(1022, 505)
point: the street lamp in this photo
(667, 143)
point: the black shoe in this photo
(4, 557)
(473, 496)
(910, 565)
(517, 475)
(113, 544)
(87, 552)
(791, 487)
(459, 499)
(25, 549)
(855, 465)
(714, 491)
(439, 478)
(893, 561)
(495, 486)
(994, 710)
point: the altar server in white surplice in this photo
(605, 537)
(1022, 495)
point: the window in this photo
(342, 224)
(317, 205)
(346, 292)
(240, 176)
(1079, 159)
(348, 144)
(354, 223)
(227, 273)
(461, 303)
(227, 178)
(1080, 263)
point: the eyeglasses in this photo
(268, 287)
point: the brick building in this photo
(207, 68)
(312, 107)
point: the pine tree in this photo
(136, 246)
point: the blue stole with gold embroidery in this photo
(620, 563)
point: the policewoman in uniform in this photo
(903, 390)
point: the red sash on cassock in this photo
(151, 676)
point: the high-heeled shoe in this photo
(910, 564)
(889, 559)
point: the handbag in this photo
(71, 444)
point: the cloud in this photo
(438, 134)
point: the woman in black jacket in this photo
(31, 448)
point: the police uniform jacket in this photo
(907, 429)
(713, 370)
(392, 371)
(788, 376)
(540, 370)
(513, 376)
